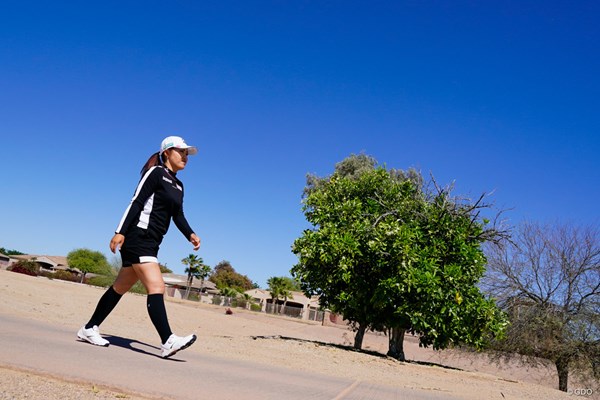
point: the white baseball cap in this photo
(178, 143)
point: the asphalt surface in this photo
(136, 367)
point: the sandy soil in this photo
(272, 340)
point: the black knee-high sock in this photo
(158, 315)
(106, 304)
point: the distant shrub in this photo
(255, 307)
(46, 274)
(65, 276)
(138, 288)
(22, 270)
(216, 300)
(107, 280)
(101, 280)
(25, 267)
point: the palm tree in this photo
(247, 299)
(195, 269)
(203, 273)
(286, 293)
(274, 290)
(229, 293)
(280, 287)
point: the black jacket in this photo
(158, 198)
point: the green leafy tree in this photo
(292, 284)
(89, 261)
(107, 280)
(431, 286)
(195, 269)
(392, 256)
(547, 278)
(224, 275)
(164, 269)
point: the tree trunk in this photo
(562, 367)
(360, 334)
(396, 340)
(187, 289)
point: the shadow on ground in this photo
(137, 346)
(350, 348)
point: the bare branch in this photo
(548, 280)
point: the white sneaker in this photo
(92, 336)
(176, 343)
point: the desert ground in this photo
(260, 338)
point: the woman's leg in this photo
(126, 278)
(150, 275)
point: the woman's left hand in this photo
(195, 241)
(116, 242)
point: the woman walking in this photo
(158, 199)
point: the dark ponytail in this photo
(154, 160)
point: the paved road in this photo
(135, 367)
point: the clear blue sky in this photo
(496, 96)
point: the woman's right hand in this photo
(116, 242)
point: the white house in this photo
(297, 305)
(5, 261)
(176, 285)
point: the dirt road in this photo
(233, 353)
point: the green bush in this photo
(101, 280)
(255, 307)
(138, 288)
(216, 300)
(25, 267)
(108, 280)
(22, 270)
(65, 276)
(46, 274)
